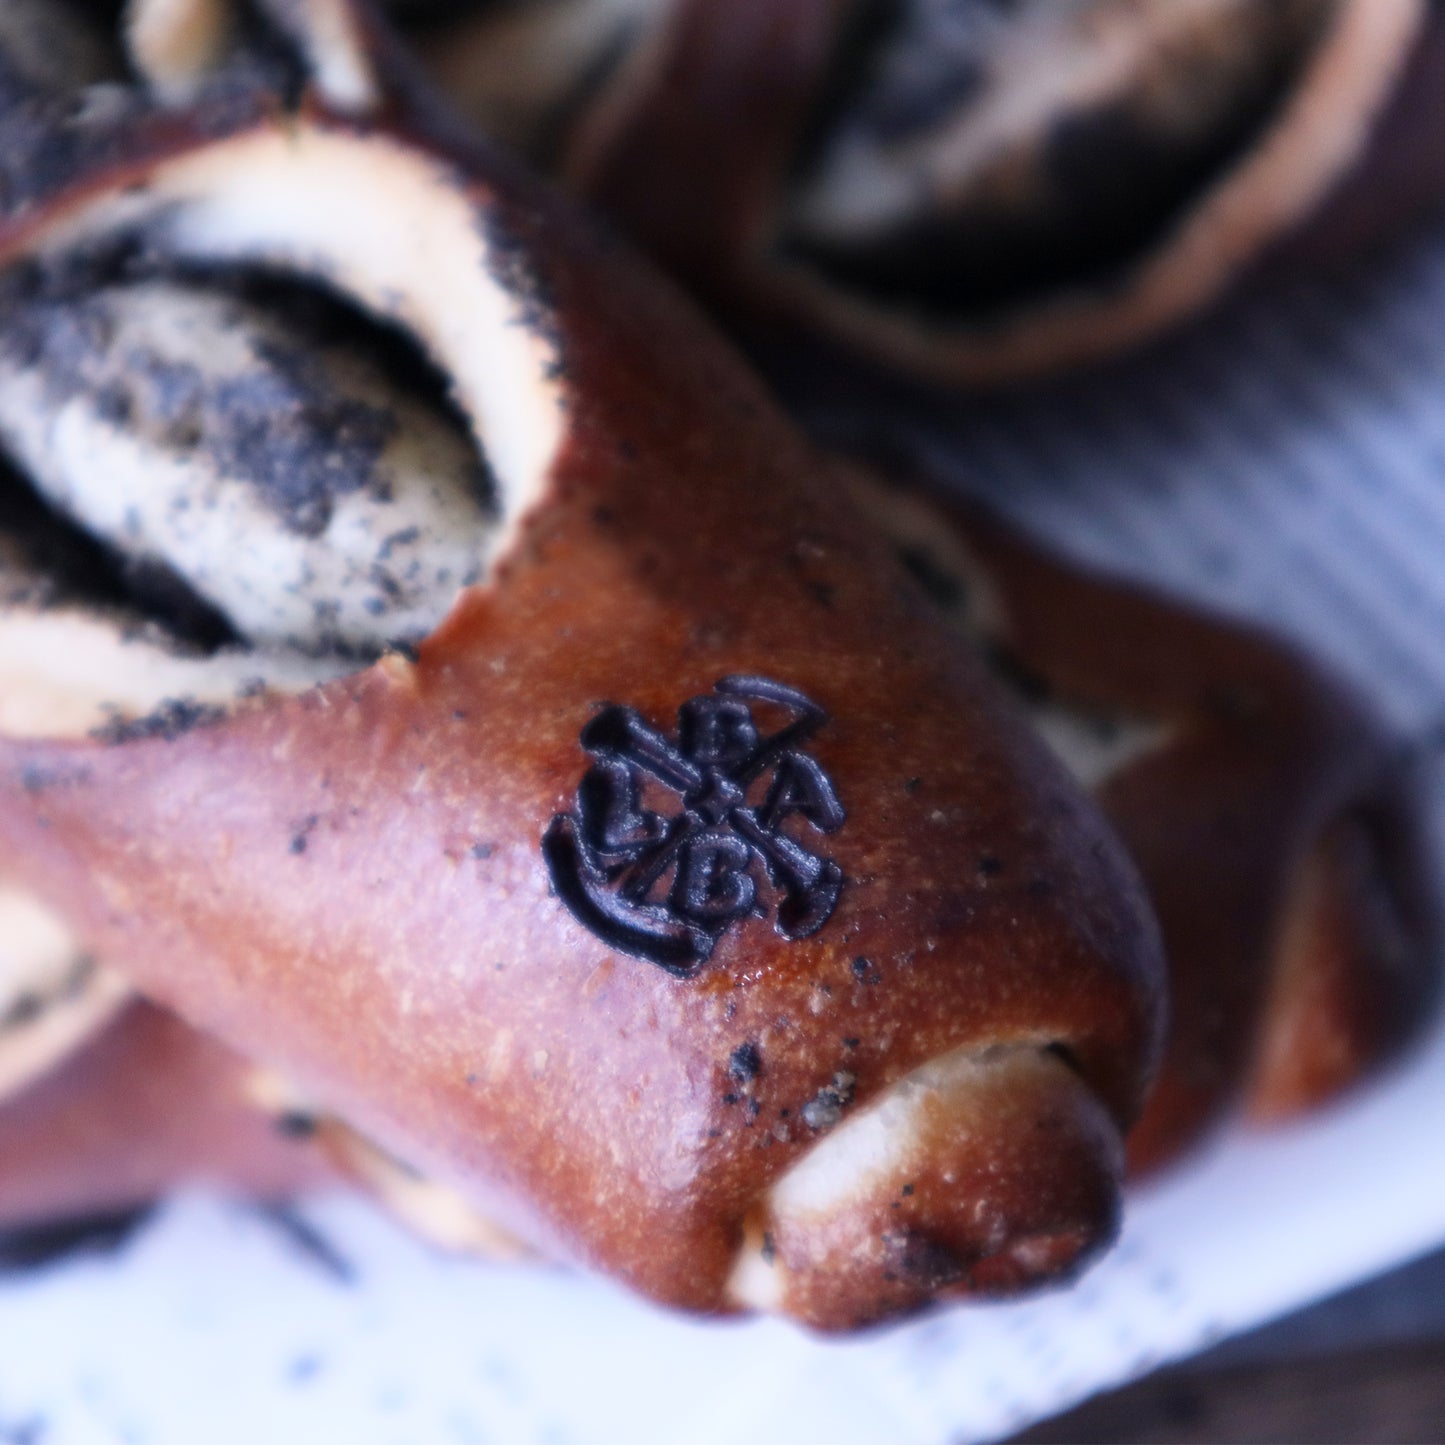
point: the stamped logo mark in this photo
(666, 886)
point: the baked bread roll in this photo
(643, 900)
(1268, 809)
(968, 192)
(1265, 805)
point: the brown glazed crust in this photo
(1274, 829)
(1296, 974)
(690, 152)
(147, 1107)
(349, 884)
(1355, 156)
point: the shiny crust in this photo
(1298, 972)
(1273, 825)
(348, 884)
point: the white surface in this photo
(1289, 463)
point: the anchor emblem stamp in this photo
(666, 885)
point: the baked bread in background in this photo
(968, 193)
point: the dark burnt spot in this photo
(864, 970)
(296, 1124)
(301, 835)
(745, 1063)
(924, 1263)
(174, 718)
(37, 778)
(989, 866)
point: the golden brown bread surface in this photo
(350, 883)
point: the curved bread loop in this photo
(1262, 801)
(147, 1107)
(978, 193)
(1309, 80)
(865, 1216)
(370, 853)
